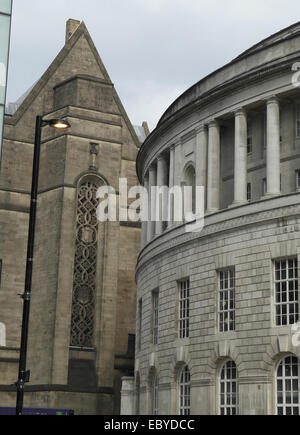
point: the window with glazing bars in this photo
(185, 392)
(184, 308)
(249, 192)
(249, 137)
(286, 292)
(298, 179)
(155, 395)
(155, 299)
(281, 130)
(227, 300)
(287, 387)
(264, 187)
(298, 120)
(229, 397)
(140, 308)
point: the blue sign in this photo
(5, 22)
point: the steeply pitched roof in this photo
(18, 108)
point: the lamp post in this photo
(23, 374)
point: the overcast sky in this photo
(153, 49)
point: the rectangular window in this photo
(280, 127)
(286, 292)
(249, 137)
(280, 183)
(155, 300)
(265, 130)
(298, 179)
(184, 308)
(298, 120)
(264, 187)
(140, 313)
(227, 300)
(249, 192)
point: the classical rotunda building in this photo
(217, 311)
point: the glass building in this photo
(5, 20)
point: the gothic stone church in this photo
(82, 316)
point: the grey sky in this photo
(153, 49)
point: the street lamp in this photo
(23, 374)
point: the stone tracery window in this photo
(84, 283)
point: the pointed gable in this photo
(78, 57)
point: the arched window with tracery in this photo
(287, 386)
(185, 392)
(84, 283)
(229, 394)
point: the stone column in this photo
(161, 200)
(240, 158)
(178, 172)
(152, 203)
(145, 223)
(273, 147)
(171, 184)
(201, 156)
(213, 167)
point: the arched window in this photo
(155, 395)
(190, 181)
(185, 392)
(229, 395)
(287, 386)
(84, 283)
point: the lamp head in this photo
(59, 124)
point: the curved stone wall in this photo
(228, 296)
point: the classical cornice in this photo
(221, 223)
(195, 103)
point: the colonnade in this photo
(167, 170)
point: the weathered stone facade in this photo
(225, 345)
(100, 147)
